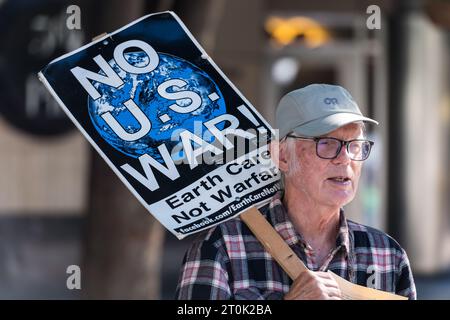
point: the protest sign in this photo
(165, 118)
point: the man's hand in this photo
(311, 285)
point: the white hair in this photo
(294, 164)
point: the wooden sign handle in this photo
(273, 243)
(293, 266)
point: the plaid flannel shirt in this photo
(228, 262)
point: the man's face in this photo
(327, 182)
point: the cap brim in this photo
(329, 123)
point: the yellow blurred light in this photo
(285, 31)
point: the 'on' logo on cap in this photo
(333, 101)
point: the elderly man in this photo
(321, 151)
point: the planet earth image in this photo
(166, 124)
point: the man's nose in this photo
(343, 157)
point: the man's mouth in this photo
(340, 179)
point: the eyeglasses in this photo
(329, 148)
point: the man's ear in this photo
(278, 153)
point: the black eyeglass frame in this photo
(341, 143)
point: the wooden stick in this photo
(293, 266)
(273, 243)
(99, 36)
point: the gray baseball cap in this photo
(316, 110)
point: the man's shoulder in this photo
(216, 236)
(365, 237)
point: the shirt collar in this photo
(277, 213)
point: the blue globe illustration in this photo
(166, 124)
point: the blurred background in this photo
(60, 205)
